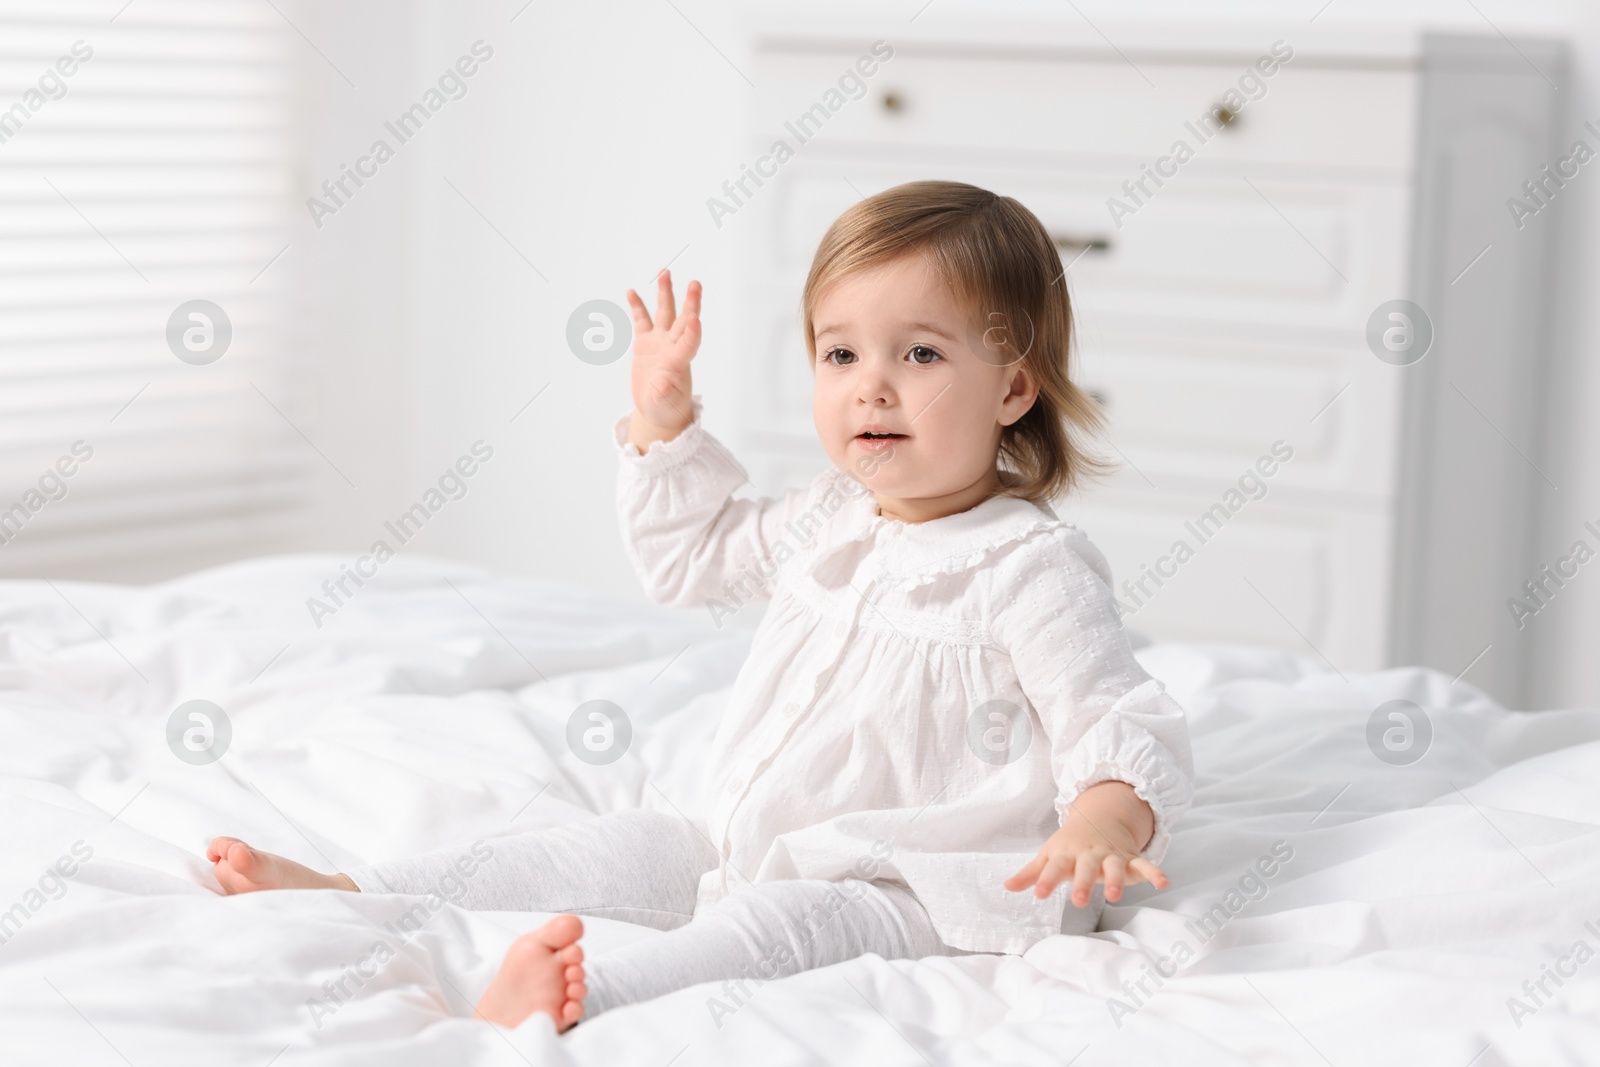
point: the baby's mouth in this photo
(876, 443)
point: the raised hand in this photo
(662, 349)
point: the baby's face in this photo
(897, 351)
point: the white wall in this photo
(354, 274)
(591, 141)
(598, 135)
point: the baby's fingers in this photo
(1083, 880)
(1055, 870)
(1027, 876)
(665, 301)
(686, 336)
(1114, 870)
(641, 317)
(691, 304)
(688, 320)
(1143, 868)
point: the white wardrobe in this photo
(1228, 302)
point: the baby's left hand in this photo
(1088, 852)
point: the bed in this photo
(1329, 901)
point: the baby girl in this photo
(940, 710)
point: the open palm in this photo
(662, 350)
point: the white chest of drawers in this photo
(1226, 308)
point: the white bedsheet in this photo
(432, 709)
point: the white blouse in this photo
(921, 700)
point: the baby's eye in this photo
(830, 353)
(923, 350)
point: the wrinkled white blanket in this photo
(1326, 906)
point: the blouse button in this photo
(791, 710)
(735, 784)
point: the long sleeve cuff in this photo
(662, 455)
(1117, 748)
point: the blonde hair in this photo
(997, 257)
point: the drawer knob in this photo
(893, 102)
(1225, 115)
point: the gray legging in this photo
(645, 867)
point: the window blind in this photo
(146, 163)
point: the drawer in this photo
(1182, 413)
(1213, 328)
(1205, 253)
(1318, 573)
(1308, 115)
(1189, 410)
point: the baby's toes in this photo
(577, 990)
(219, 847)
(232, 880)
(241, 869)
(244, 862)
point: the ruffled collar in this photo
(915, 553)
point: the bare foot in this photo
(542, 972)
(242, 869)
